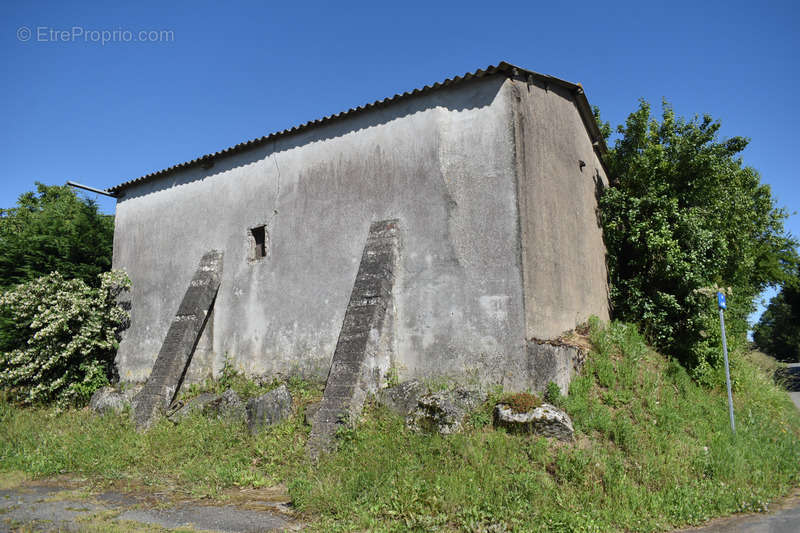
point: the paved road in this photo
(64, 506)
(784, 518)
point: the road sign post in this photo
(722, 305)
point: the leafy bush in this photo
(59, 337)
(685, 214)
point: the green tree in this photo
(778, 330)
(53, 229)
(684, 213)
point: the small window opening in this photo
(258, 243)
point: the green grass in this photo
(653, 451)
(200, 455)
(768, 364)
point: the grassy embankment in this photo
(654, 451)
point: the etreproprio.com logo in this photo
(79, 34)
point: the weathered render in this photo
(493, 178)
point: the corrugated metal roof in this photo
(503, 68)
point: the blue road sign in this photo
(721, 303)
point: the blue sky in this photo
(102, 113)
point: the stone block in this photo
(311, 411)
(546, 420)
(108, 400)
(443, 412)
(229, 406)
(180, 410)
(553, 362)
(268, 409)
(401, 399)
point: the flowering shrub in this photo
(58, 337)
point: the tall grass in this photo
(653, 451)
(201, 455)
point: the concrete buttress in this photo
(360, 357)
(184, 332)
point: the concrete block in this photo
(178, 346)
(553, 362)
(268, 409)
(355, 369)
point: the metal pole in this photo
(727, 369)
(91, 189)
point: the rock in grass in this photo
(268, 409)
(108, 400)
(130, 390)
(229, 406)
(546, 420)
(402, 398)
(311, 411)
(181, 410)
(443, 412)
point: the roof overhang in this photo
(206, 161)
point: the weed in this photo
(438, 383)
(552, 394)
(392, 376)
(480, 418)
(522, 402)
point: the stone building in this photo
(490, 182)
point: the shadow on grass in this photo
(789, 378)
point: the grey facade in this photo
(493, 178)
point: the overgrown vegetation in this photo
(59, 337)
(58, 318)
(53, 229)
(778, 330)
(246, 388)
(653, 451)
(683, 214)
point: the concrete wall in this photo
(563, 253)
(441, 163)
(448, 165)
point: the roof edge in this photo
(503, 67)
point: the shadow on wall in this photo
(472, 94)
